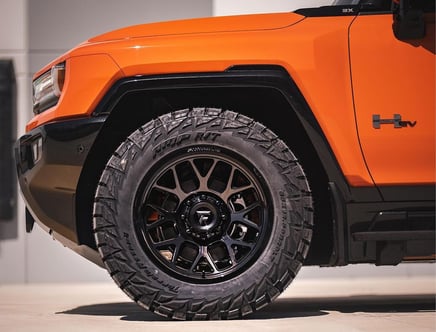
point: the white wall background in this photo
(33, 32)
(231, 7)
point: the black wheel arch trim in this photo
(264, 76)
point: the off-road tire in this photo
(208, 267)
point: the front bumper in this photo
(49, 161)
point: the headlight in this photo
(47, 88)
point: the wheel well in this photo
(266, 105)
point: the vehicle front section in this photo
(230, 151)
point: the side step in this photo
(394, 236)
(390, 237)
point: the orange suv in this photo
(202, 162)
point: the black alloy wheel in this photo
(204, 217)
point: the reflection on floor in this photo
(371, 304)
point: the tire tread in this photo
(247, 300)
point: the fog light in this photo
(36, 150)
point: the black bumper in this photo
(49, 162)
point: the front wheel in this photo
(203, 214)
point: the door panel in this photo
(394, 96)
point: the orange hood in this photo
(203, 25)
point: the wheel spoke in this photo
(211, 263)
(239, 216)
(172, 245)
(157, 223)
(203, 179)
(230, 243)
(164, 217)
(177, 191)
(249, 224)
(176, 252)
(203, 255)
(243, 244)
(176, 242)
(230, 191)
(237, 249)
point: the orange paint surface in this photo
(315, 52)
(398, 79)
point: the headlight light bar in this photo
(47, 88)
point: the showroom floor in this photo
(372, 304)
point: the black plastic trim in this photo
(30, 221)
(408, 193)
(364, 8)
(379, 12)
(50, 200)
(340, 246)
(350, 10)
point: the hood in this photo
(203, 25)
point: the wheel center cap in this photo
(203, 215)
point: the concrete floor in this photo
(372, 304)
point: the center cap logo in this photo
(203, 216)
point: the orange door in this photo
(394, 96)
